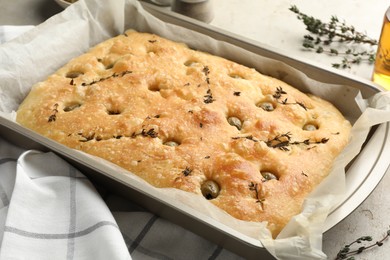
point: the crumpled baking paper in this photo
(41, 51)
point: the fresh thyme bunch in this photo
(324, 35)
(346, 253)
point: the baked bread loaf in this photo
(251, 144)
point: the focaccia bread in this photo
(251, 144)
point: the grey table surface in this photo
(370, 218)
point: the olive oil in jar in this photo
(381, 73)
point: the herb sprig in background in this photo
(347, 252)
(352, 46)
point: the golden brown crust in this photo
(130, 95)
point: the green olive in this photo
(235, 76)
(269, 176)
(267, 106)
(113, 112)
(191, 63)
(74, 74)
(309, 127)
(71, 107)
(234, 121)
(110, 66)
(171, 143)
(210, 189)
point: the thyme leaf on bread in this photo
(279, 92)
(187, 171)
(208, 98)
(255, 187)
(156, 116)
(93, 136)
(53, 116)
(150, 133)
(119, 74)
(283, 142)
(280, 141)
(145, 133)
(278, 95)
(206, 72)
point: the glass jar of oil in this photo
(381, 73)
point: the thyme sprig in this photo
(324, 34)
(53, 115)
(346, 253)
(187, 171)
(278, 95)
(115, 75)
(145, 133)
(208, 98)
(206, 72)
(333, 30)
(283, 142)
(255, 187)
(279, 92)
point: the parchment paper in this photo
(41, 51)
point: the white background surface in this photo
(270, 22)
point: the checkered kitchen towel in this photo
(49, 210)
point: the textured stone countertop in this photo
(271, 23)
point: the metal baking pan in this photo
(372, 162)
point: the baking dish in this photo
(371, 163)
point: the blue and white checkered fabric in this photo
(51, 211)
